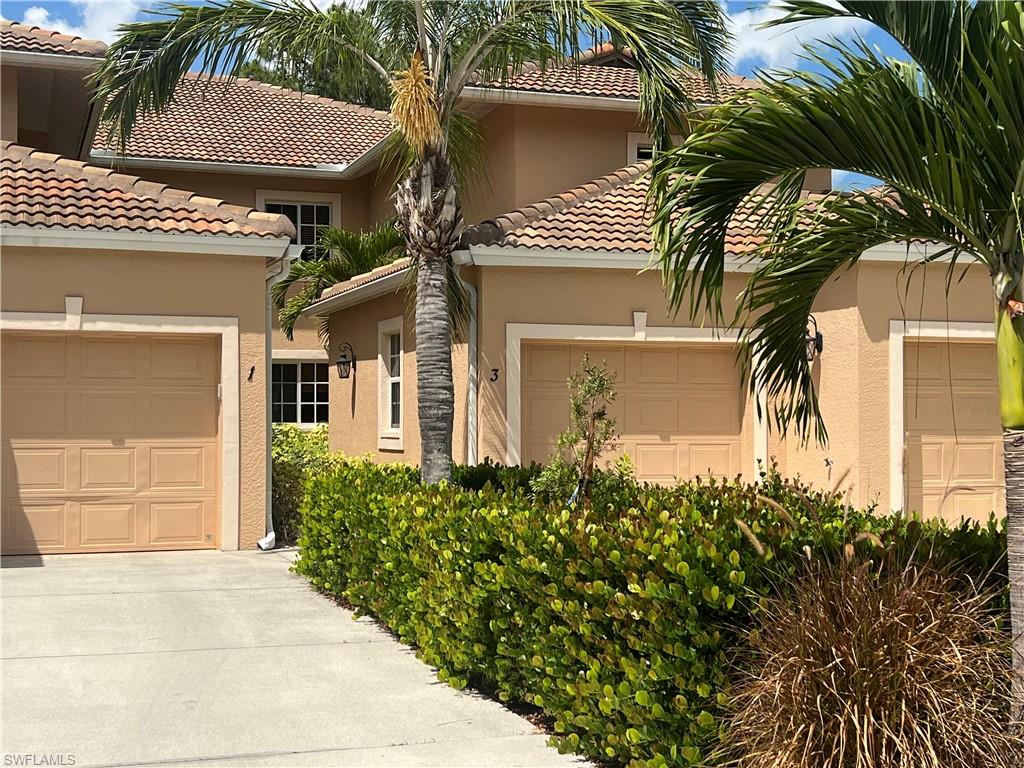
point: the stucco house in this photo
(142, 365)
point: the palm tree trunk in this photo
(1010, 355)
(430, 217)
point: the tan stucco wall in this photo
(354, 401)
(537, 152)
(139, 283)
(8, 103)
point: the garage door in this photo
(954, 444)
(679, 409)
(109, 442)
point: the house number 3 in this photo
(494, 374)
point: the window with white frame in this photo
(640, 147)
(390, 353)
(309, 220)
(299, 393)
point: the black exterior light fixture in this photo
(346, 361)
(814, 341)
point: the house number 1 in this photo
(494, 374)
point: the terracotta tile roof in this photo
(608, 214)
(29, 39)
(399, 265)
(248, 122)
(38, 189)
(609, 81)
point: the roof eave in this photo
(264, 246)
(50, 60)
(112, 159)
(499, 95)
(371, 290)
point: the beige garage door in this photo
(954, 446)
(679, 409)
(110, 442)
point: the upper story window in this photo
(309, 220)
(309, 212)
(640, 147)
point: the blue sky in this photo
(754, 49)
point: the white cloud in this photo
(96, 19)
(782, 46)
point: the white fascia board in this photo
(497, 256)
(373, 289)
(114, 160)
(547, 99)
(49, 60)
(162, 242)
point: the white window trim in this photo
(639, 331)
(635, 138)
(899, 331)
(72, 319)
(264, 196)
(298, 357)
(389, 439)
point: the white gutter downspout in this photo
(277, 272)
(460, 258)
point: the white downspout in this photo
(276, 272)
(460, 258)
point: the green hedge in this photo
(617, 621)
(294, 451)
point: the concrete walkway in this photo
(211, 658)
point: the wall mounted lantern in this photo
(346, 361)
(814, 341)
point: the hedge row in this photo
(617, 621)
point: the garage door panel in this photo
(547, 364)
(177, 522)
(716, 459)
(613, 358)
(183, 413)
(711, 412)
(656, 414)
(118, 453)
(656, 462)
(953, 462)
(654, 365)
(35, 413)
(36, 357)
(104, 524)
(181, 360)
(108, 469)
(109, 358)
(29, 526)
(36, 469)
(182, 467)
(713, 366)
(106, 413)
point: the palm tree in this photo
(437, 46)
(345, 255)
(944, 131)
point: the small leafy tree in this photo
(590, 432)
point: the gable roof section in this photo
(46, 191)
(246, 122)
(24, 38)
(615, 81)
(607, 215)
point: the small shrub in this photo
(293, 453)
(590, 431)
(861, 668)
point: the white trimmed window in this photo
(309, 212)
(299, 393)
(640, 147)
(390, 349)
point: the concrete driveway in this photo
(212, 658)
